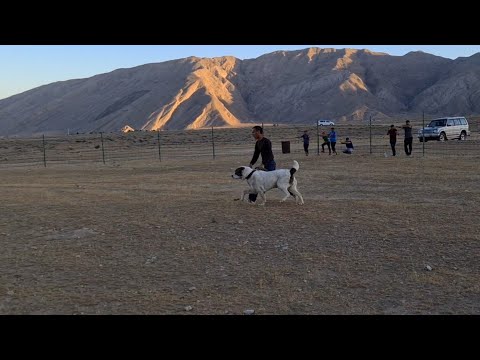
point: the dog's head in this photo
(241, 172)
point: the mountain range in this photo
(301, 87)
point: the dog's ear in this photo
(239, 171)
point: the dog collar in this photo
(250, 175)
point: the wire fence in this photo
(368, 138)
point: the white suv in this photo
(325, 123)
(445, 129)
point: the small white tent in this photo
(127, 129)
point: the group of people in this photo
(263, 146)
(329, 140)
(407, 142)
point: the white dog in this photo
(262, 181)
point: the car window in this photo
(457, 122)
(450, 122)
(438, 123)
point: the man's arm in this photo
(268, 145)
(256, 154)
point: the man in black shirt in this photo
(263, 147)
(392, 132)
(408, 138)
(306, 141)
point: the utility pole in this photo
(103, 149)
(213, 145)
(423, 133)
(159, 153)
(44, 154)
(370, 134)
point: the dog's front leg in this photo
(264, 198)
(247, 192)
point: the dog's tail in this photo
(293, 170)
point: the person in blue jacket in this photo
(333, 139)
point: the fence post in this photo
(213, 145)
(318, 141)
(44, 154)
(370, 134)
(159, 153)
(103, 150)
(423, 133)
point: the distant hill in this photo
(280, 87)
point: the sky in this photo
(24, 67)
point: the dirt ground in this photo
(150, 237)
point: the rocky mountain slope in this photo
(280, 87)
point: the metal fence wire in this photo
(369, 138)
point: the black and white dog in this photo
(262, 181)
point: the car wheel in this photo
(463, 136)
(442, 137)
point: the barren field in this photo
(140, 236)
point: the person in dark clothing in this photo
(408, 138)
(332, 136)
(263, 147)
(326, 141)
(306, 141)
(348, 146)
(392, 132)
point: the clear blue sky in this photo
(23, 67)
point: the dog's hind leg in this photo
(294, 191)
(284, 189)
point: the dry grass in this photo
(136, 237)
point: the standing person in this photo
(349, 146)
(326, 141)
(306, 141)
(408, 138)
(263, 147)
(332, 136)
(392, 132)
